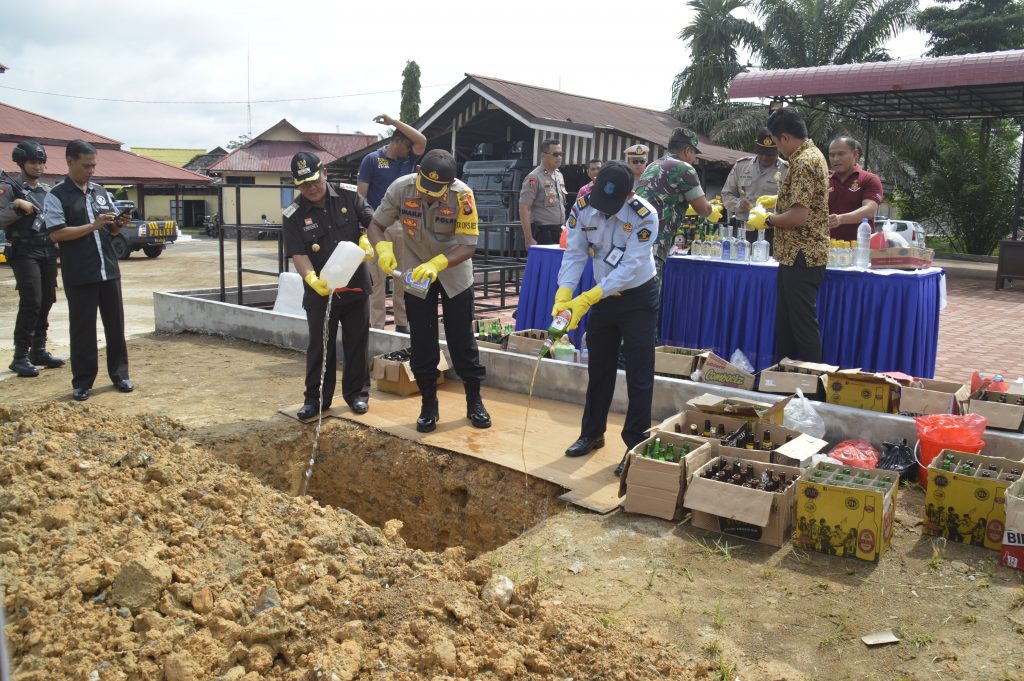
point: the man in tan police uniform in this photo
(753, 177)
(438, 215)
(542, 198)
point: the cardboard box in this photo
(673, 361)
(1009, 416)
(796, 452)
(750, 410)
(968, 508)
(527, 342)
(900, 258)
(1012, 554)
(397, 377)
(484, 323)
(854, 388)
(839, 520)
(933, 397)
(654, 487)
(765, 517)
(789, 374)
(718, 371)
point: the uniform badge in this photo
(466, 201)
(628, 226)
(640, 208)
(315, 248)
(572, 222)
(383, 163)
(644, 235)
(855, 186)
(411, 203)
(409, 222)
(307, 221)
(581, 202)
(533, 181)
(344, 210)
(446, 211)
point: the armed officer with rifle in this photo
(33, 258)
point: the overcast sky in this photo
(187, 50)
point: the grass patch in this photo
(718, 617)
(712, 649)
(1017, 600)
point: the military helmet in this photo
(28, 151)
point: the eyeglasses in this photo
(638, 160)
(557, 154)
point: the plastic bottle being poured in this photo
(557, 329)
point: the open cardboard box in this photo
(718, 371)
(765, 517)
(484, 323)
(855, 388)
(788, 375)
(672, 361)
(902, 258)
(1009, 416)
(934, 397)
(654, 487)
(397, 377)
(1012, 554)
(751, 410)
(527, 341)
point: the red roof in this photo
(906, 74)
(113, 166)
(340, 144)
(17, 124)
(267, 156)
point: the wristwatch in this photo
(768, 222)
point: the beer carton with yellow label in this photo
(1012, 555)
(966, 497)
(854, 388)
(845, 511)
(721, 372)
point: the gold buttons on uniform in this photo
(344, 210)
(315, 248)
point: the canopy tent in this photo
(966, 87)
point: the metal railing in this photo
(282, 262)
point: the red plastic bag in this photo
(857, 453)
(951, 431)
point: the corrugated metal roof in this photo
(340, 144)
(112, 167)
(965, 86)
(175, 157)
(17, 124)
(267, 156)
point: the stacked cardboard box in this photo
(968, 504)
(846, 511)
(788, 375)
(928, 396)
(854, 388)
(527, 342)
(673, 361)
(654, 487)
(1012, 554)
(1008, 415)
(397, 377)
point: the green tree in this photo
(970, 26)
(238, 142)
(712, 38)
(410, 109)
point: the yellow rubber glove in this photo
(562, 297)
(757, 217)
(581, 303)
(317, 284)
(716, 213)
(364, 243)
(430, 269)
(768, 200)
(690, 212)
(386, 257)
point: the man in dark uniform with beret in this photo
(322, 217)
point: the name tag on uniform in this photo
(614, 256)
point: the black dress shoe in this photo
(80, 394)
(42, 357)
(478, 416)
(125, 385)
(585, 445)
(360, 407)
(23, 367)
(622, 465)
(308, 411)
(427, 421)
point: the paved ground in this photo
(979, 329)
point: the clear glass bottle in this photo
(759, 251)
(716, 247)
(696, 244)
(725, 250)
(741, 247)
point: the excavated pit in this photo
(443, 499)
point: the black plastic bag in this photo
(899, 457)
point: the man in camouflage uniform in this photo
(671, 184)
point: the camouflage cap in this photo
(683, 137)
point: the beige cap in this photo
(637, 150)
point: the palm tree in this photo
(713, 37)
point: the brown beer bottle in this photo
(707, 427)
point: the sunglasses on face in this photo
(638, 160)
(557, 154)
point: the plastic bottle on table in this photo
(998, 384)
(863, 258)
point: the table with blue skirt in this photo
(876, 320)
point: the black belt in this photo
(548, 226)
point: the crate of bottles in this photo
(1012, 555)
(1002, 410)
(846, 511)
(785, 377)
(966, 497)
(672, 361)
(392, 372)
(493, 333)
(655, 474)
(742, 497)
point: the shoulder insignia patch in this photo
(290, 210)
(572, 222)
(582, 202)
(644, 235)
(349, 187)
(638, 208)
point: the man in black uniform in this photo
(80, 216)
(33, 258)
(321, 218)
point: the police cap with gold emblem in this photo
(305, 167)
(639, 150)
(765, 144)
(436, 172)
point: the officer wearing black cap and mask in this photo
(322, 217)
(33, 258)
(618, 230)
(438, 215)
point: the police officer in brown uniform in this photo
(753, 177)
(542, 198)
(322, 217)
(438, 214)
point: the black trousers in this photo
(352, 313)
(797, 334)
(83, 301)
(546, 234)
(628, 320)
(458, 330)
(35, 274)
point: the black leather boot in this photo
(21, 364)
(41, 357)
(475, 411)
(427, 421)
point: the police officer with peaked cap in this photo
(753, 177)
(636, 159)
(618, 231)
(438, 215)
(323, 216)
(33, 258)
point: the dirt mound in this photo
(130, 552)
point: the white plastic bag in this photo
(801, 415)
(740, 361)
